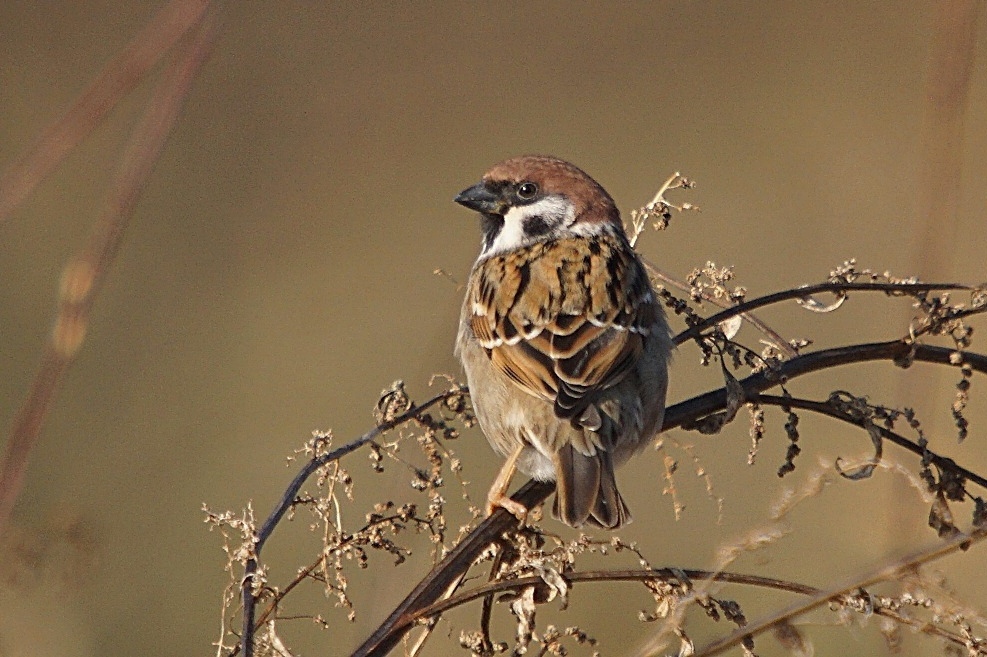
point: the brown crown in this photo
(555, 176)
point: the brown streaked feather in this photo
(563, 321)
(526, 367)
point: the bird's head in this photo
(535, 198)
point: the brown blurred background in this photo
(279, 274)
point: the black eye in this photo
(526, 191)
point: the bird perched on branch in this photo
(563, 340)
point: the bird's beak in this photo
(481, 199)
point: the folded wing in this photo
(565, 319)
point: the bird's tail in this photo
(586, 490)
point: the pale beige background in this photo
(279, 273)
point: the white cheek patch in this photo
(590, 229)
(554, 210)
(511, 235)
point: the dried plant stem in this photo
(777, 339)
(437, 582)
(85, 273)
(288, 498)
(880, 574)
(655, 574)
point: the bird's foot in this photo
(502, 501)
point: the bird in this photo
(564, 343)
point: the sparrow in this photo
(564, 343)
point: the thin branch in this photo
(634, 575)
(751, 318)
(288, 497)
(305, 573)
(272, 607)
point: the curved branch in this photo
(288, 497)
(801, 292)
(673, 574)
(634, 575)
(893, 350)
(824, 408)
(755, 321)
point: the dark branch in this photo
(894, 350)
(437, 582)
(671, 575)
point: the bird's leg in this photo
(498, 497)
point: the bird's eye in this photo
(526, 191)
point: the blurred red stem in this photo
(85, 272)
(115, 81)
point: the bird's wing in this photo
(564, 319)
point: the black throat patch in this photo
(491, 225)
